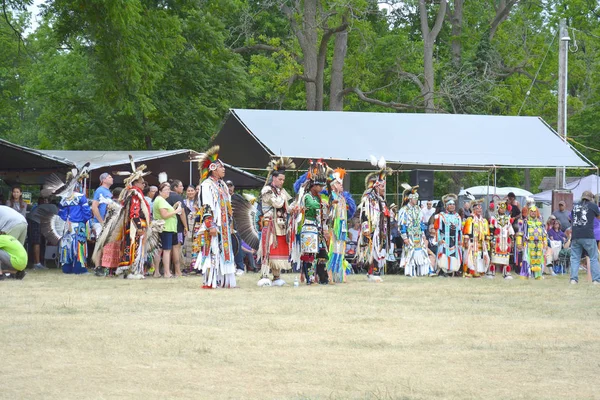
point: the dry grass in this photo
(83, 337)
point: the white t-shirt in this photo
(427, 213)
(353, 234)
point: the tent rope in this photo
(536, 75)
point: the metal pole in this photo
(190, 181)
(563, 49)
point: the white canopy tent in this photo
(491, 190)
(249, 138)
(488, 192)
(591, 183)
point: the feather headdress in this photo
(317, 172)
(377, 178)
(208, 161)
(449, 198)
(162, 177)
(55, 186)
(410, 192)
(279, 166)
(135, 173)
(337, 175)
(477, 202)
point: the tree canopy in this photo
(161, 74)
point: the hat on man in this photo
(562, 203)
(229, 183)
(587, 195)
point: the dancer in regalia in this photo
(414, 260)
(274, 248)
(308, 236)
(448, 226)
(341, 209)
(501, 225)
(75, 213)
(534, 241)
(213, 244)
(374, 237)
(129, 223)
(476, 233)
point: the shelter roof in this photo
(174, 162)
(249, 138)
(25, 165)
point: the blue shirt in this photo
(75, 209)
(100, 193)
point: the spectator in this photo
(249, 253)
(163, 210)
(556, 233)
(102, 196)
(190, 206)
(466, 209)
(13, 223)
(597, 233)
(562, 215)
(514, 206)
(583, 216)
(150, 194)
(16, 201)
(35, 234)
(13, 257)
(432, 246)
(175, 198)
(354, 230)
(428, 212)
(550, 222)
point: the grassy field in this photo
(84, 337)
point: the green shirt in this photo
(16, 251)
(171, 222)
(312, 206)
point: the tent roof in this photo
(578, 186)
(407, 141)
(27, 165)
(171, 161)
(500, 191)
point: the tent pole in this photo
(190, 181)
(398, 189)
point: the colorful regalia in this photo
(519, 228)
(476, 233)
(533, 238)
(414, 260)
(274, 248)
(448, 226)
(501, 225)
(307, 234)
(213, 246)
(129, 224)
(75, 212)
(341, 209)
(374, 237)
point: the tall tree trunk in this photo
(429, 79)
(429, 37)
(321, 58)
(336, 99)
(456, 18)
